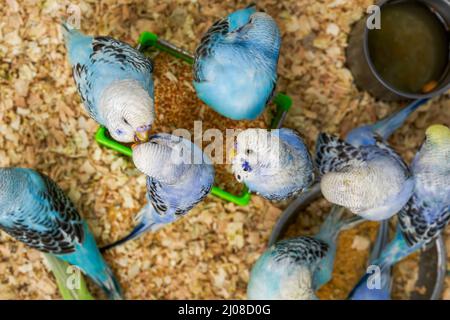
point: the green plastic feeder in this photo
(148, 39)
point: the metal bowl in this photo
(432, 262)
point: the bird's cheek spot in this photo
(246, 166)
(119, 132)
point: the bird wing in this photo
(217, 31)
(334, 154)
(109, 60)
(301, 251)
(49, 222)
(382, 145)
(420, 222)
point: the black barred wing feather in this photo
(421, 222)
(84, 83)
(49, 223)
(109, 50)
(154, 189)
(334, 154)
(117, 57)
(301, 251)
(219, 29)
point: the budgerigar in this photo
(427, 213)
(363, 173)
(296, 268)
(115, 83)
(370, 180)
(179, 175)
(235, 69)
(275, 164)
(35, 211)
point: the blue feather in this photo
(34, 210)
(235, 64)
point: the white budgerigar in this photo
(275, 164)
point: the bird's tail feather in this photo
(109, 285)
(68, 29)
(136, 232)
(381, 241)
(395, 251)
(386, 127)
(144, 223)
(334, 224)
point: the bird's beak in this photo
(142, 136)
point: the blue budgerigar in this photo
(235, 69)
(296, 268)
(179, 175)
(115, 83)
(363, 173)
(427, 212)
(35, 211)
(370, 180)
(275, 164)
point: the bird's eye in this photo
(248, 152)
(239, 178)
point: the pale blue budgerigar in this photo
(35, 211)
(383, 292)
(363, 173)
(296, 268)
(115, 83)
(427, 213)
(235, 69)
(370, 180)
(179, 175)
(275, 163)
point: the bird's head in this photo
(128, 111)
(254, 149)
(438, 134)
(278, 275)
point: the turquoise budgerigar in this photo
(235, 69)
(427, 212)
(115, 83)
(179, 175)
(296, 268)
(275, 164)
(35, 211)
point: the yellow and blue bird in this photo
(35, 211)
(235, 68)
(427, 212)
(115, 83)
